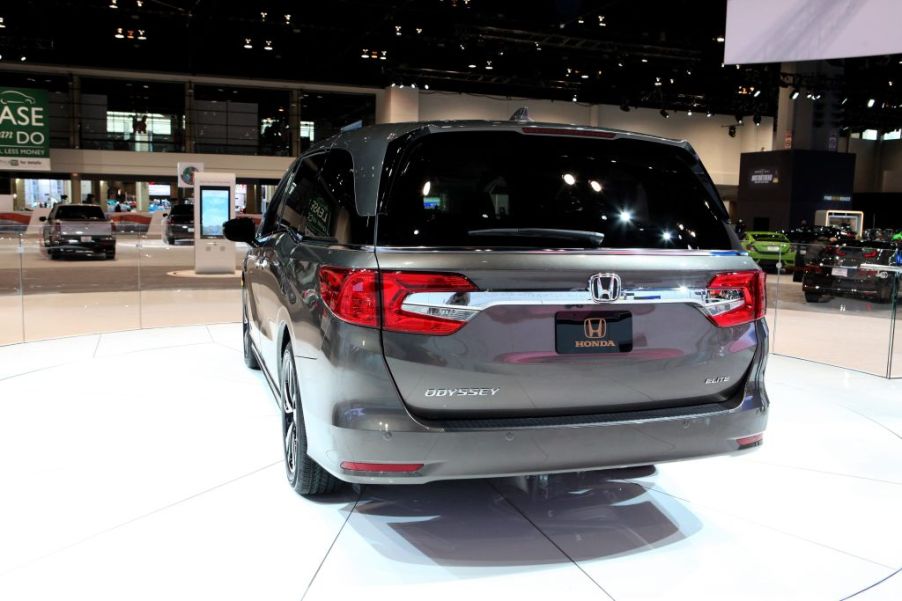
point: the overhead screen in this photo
(775, 31)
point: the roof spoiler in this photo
(521, 114)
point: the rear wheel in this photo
(305, 475)
(813, 297)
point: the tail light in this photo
(870, 253)
(840, 252)
(736, 298)
(354, 296)
(381, 468)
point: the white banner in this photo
(776, 31)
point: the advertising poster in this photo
(24, 130)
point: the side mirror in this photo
(42, 218)
(240, 229)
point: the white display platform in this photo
(147, 465)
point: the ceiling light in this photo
(871, 102)
(689, 113)
(890, 83)
(756, 119)
(594, 185)
(666, 236)
(665, 114)
(22, 59)
(288, 19)
(844, 100)
(757, 93)
(419, 30)
(688, 72)
(384, 55)
(619, 64)
(2, 24)
(397, 30)
(427, 187)
(141, 35)
(585, 76)
(426, 87)
(140, 3)
(118, 35)
(671, 80)
(794, 94)
(268, 45)
(739, 118)
(719, 39)
(488, 66)
(569, 179)
(247, 43)
(601, 22)
(472, 65)
(580, 20)
(625, 216)
(263, 15)
(365, 53)
(574, 98)
(114, 4)
(709, 114)
(644, 60)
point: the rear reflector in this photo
(394, 468)
(748, 441)
(736, 298)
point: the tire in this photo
(305, 476)
(797, 275)
(54, 255)
(250, 359)
(813, 297)
(170, 241)
(110, 255)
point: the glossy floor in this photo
(146, 465)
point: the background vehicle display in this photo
(178, 225)
(836, 270)
(78, 230)
(770, 249)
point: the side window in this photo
(331, 209)
(272, 211)
(299, 192)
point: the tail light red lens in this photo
(736, 298)
(350, 294)
(869, 253)
(354, 296)
(397, 286)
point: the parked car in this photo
(504, 298)
(837, 270)
(179, 224)
(78, 230)
(770, 249)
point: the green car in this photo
(770, 248)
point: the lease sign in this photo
(24, 130)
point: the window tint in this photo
(80, 212)
(275, 206)
(331, 211)
(507, 189)
(298, 193)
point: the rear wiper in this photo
(597, 238)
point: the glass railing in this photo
(145, 283)
(832, 303)
(836, 302)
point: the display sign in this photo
(24, 130)
(764, 175)
(214, 210)
(185, 173)
(160, 189)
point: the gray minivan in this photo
(473, 299)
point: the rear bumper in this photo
(378, 432)
(827, 284)
(97, 245)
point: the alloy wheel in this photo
(289, 401)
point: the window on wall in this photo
(127, 123)
(307, 130)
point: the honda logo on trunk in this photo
(605, 287)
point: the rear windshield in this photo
(513, 190)
(769, 238)
(80, 212)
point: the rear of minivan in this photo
(547, 299)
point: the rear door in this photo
(586, 269)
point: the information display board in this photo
(214, 210)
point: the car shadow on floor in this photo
(514, 521)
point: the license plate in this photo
(87, 239)
(803, 252)
(840, 272)
(190, 230)
(773, 249)
(593, 332)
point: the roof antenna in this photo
(521, 114)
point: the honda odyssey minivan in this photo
(449, 300)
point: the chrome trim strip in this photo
(465, 305)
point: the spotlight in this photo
(625, 216)
(689, 113)
(665, 114)
(720, 39)
(709, 114)
(739, 118)
(247, 44)
(114, 3)
(795, 93)
(569, 179)
(756, 94)
(871, 102)
(732, 131)
(756, 119)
